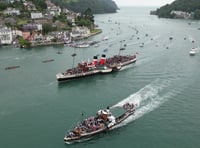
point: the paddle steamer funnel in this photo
(103, 59)
(95, 60)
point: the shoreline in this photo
(62, 42)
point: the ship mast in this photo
(122, 48)
(73, 55)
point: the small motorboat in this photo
(46, 61)
(105, 38)
(193, 51)
(142, 45)
(103, 121)
(11, 67)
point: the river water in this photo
(36, 111)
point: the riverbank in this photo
(38, 44)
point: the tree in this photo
(89, 15)
(24, 43)
(3, 6)
(97, 6)
(83, 22)
(46, 28)
(40, 4)
(197, 14)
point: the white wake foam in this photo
(146, 99)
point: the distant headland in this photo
(185, 9)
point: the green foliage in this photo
(69, 23)
(46, 28)
(86, 19)
(96, 6)
(89, 15)
(197, 14)
(62, 18)
(179, 5)
(81, 21)
(18, 5)
(40, 4)
(24, 43)
(3, 6)
(96, 30)
(165, 11)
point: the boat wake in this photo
(146, 99)
(79, 141)
(127, 67)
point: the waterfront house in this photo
(79, 32)
(38, 37)
(6, 37)
(32, 36)
(181, 14)
(17, 33)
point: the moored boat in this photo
(11, 67)
(46, 61)
(79, 45)
(193, 51)
(103, 121)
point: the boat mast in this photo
(73, 55)
(121, 48)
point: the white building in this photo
(36, 15)
(38, 37)
(39, 27)
(80, 32)
(6, 35)
(181, 14)
(12, 11)
(17, 33)
(53, 9)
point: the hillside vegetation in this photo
(97, 6)
(191, 6)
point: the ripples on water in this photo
(147, 99)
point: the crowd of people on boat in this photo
(119, 59)
(90, 66)
(81, 68)
(128, 106)
(103, 120)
